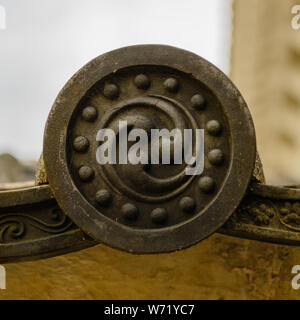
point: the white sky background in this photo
(47, 41)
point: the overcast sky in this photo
(46, 41)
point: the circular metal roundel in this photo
(99, 162)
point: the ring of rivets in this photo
(103, 194)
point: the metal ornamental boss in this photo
(147, 149)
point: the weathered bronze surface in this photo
(267, 213)
(33, 226)
(152, 208)
(157, 208)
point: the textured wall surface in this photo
(266, 69)
(220, 267)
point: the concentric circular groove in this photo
(147, 208)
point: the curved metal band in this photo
(267, 213)
(33, 227)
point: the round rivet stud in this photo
(216, 157)
(142, 82)
(198, 101)
(206, 184)
(171, 85)
(129, 211)
(213, 127)
(103, 197)
(81, 144)
(187, 204)
(159, 216)
(89, 114)
(86, 173)
(111, 91)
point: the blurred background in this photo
(46, 42)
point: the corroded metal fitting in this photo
(77, 203)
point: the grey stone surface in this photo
(13, 170)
